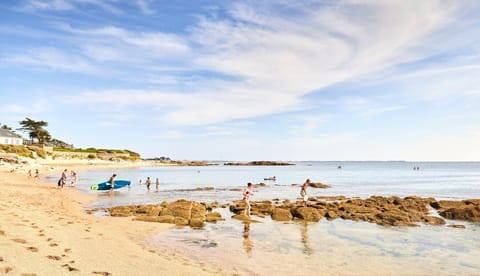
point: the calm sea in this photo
(323, 248)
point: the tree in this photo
(7, 128)
(35, 130)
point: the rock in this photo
(319, 185)
(433, 220)
(307, 213)
(243, 218)
(281, 214)
(466, 212)
(166, 219)
(180, 221)
(214, 217)
(393, 218)
(330, 215)
(121, 211)
(265, 207)
(461, 226)
(196, 222)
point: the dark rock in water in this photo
(281, 214)
(433, 220)
(319, 185)
(259, 163)
(460, 226)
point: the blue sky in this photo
(248, 80)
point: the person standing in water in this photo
(148, 182)
(111, 181)
(247, 193)
(303, 192)
(73, 174)
(157, 184)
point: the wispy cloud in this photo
(51, 58)
(258, 61)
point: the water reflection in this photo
(247, 242)
(307, 249)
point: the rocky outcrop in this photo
(386, 211)
(468, 209)
(259, 163)
(180, 212)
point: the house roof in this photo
(8, 133)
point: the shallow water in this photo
(323, 248)
(328, 247)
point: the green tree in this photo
(36, 130)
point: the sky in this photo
(248, 80)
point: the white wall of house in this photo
(11, 140)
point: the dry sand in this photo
(45, 231)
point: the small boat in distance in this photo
(273, 178)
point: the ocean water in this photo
(323, 248)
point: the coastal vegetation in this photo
(41, 144)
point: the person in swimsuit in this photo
(303, 192)
(247, 193)
(111, 181)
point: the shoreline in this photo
(49, 233)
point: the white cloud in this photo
(145, 6)
(51, 58)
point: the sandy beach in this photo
(45, 231)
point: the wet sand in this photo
(45, 231)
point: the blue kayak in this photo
(105, 185)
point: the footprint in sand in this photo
(32, 249)
(49, 239)
(53, 244)
(19, 240)
(28, 274)
(6, 269)
(56, 258)
(2, 233)
(103, 273)
(66, 250)
(70, 268)
(1, 259)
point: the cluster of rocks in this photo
(387, 211)
(468, 209)
(258, 163)
(180, 212)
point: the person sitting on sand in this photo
(247, 192)
(303, 192)
(111, 181)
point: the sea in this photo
(300, 248)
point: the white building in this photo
(9, 138)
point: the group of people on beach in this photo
(248, 192)
(63, 179)
(148, 182)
